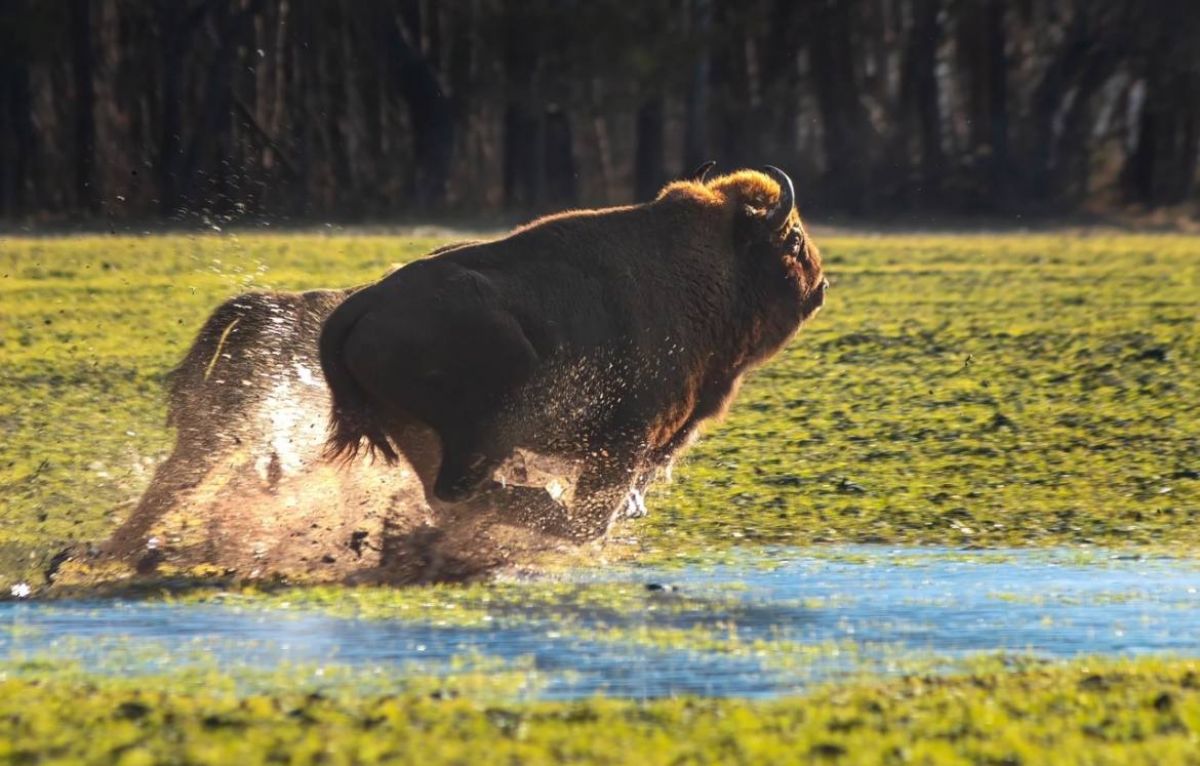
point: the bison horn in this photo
(700, 174)
(778, 215)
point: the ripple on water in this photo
(768, 623)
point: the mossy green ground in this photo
(1094, 712)
(992, 390)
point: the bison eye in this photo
(795, 241)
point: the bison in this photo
(248, 403)
(246, 384)
(602, 337)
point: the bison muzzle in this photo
(601, 337)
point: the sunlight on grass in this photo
(957, 390)
(1001, 711)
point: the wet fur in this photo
(607, 336)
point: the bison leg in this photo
(468, 463)
(603, 493)
(586, 519)
(635, 505)
(464, 475)
(607, 488)
(534, 508)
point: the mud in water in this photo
(247, 492)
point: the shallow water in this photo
(798, 616)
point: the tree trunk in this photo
(83, 69)
(1069, 178)
(175, 26)
(696, 103)
(846, 126)
(432, 118)
(996, 43)
(17, 185)
(782, 82)
(649, 173)
(981, 40)
(920, 92)
(1161, 170)
(1043, 164)
(559, 159)
(520, 157)
(522, 59)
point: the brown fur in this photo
(605, 336)
(245, 489)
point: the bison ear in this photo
(700, 174)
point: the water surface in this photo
(785, 618)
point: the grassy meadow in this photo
(1087, 712)
(976, 390)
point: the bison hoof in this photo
(453, 494)
(635, 505)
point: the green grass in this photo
(990, 390)
(89, 328)
(1006, 390)
(1090, 712)
(1002, 390)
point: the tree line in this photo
(369, 109)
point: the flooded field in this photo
(764, 624)
(930, 532)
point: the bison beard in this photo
(600, 337)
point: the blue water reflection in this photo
(867, 607)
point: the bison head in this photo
(777, 259)
(779, 263)
(787, 249)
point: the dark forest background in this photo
(376, 109)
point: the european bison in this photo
(604, 337)
(248, 403)
(246, 384)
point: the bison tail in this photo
(351, 418)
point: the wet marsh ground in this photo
(1094, 712)
(962, 391)
(768, 623)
